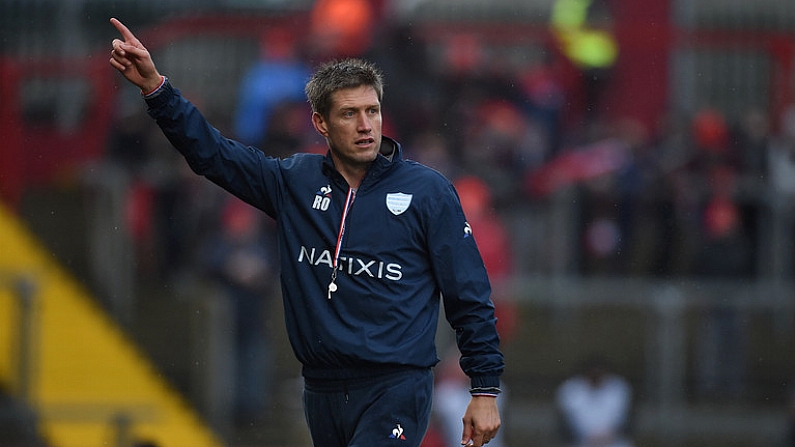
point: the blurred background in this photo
(627, 166)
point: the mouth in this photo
(365, 141)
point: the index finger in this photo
(123, 30)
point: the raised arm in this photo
(133, 60)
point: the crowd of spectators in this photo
(684, 197)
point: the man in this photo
(368, 242)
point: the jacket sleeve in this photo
(466, 291)
(242, 170)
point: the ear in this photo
(320, 123)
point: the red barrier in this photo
(11, 155)
(37, 149)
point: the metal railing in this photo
(24, 288)
(25, 360)
(668, 408)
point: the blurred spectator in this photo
(288, 132)
(713, 143)
(430, 149)
(642, 207)
(464, 54)
(699, 147)
(725, 254)
(278, 78)
(710, 131)
(673, 137)
(185, 212)
(240, 258)
(500, 144)
(342, 28)
(584, 30)
(673, 148)
(602, 244)
(753, 135)
(725, 251)
(546, 98)
(595, 407)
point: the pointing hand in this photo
(133, 60)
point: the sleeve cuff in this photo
(156, 91)
(160, 96)
(489, 392)
(485, 384)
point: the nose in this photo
(364, 124)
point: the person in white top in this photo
(595, 407)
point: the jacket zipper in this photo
(332, 286)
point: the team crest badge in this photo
(398, 202)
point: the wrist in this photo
(153, 86)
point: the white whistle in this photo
(332, 287)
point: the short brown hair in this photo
(341, 74)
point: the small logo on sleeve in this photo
(397, 433)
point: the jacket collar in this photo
(380, 166)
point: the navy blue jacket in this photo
(406, 244)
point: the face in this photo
(353, 127)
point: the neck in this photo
(352, 174)
(353, 181)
